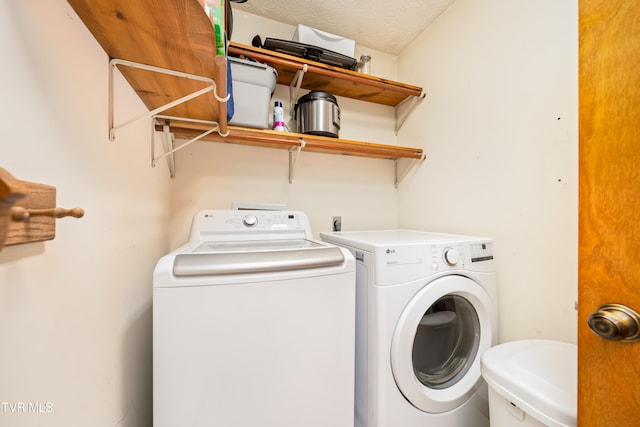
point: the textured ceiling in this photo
(386, 25)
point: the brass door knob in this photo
(615, 322)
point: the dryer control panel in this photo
(404, 263)
(401, 256)
(462, 256)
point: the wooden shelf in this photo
(177, 35)
(287, 140)
(335, 80)
(172, 34)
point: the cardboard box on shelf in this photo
(315, 37)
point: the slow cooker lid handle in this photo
(316, 95)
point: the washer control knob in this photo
(250, 220)
(450, 256)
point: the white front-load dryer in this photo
(425, 313)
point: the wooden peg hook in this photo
(18, 213)
(26, 215)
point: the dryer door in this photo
(438, 341)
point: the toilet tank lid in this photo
(539, 376)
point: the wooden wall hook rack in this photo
(34, 220)
(18, 213)
(11, 190)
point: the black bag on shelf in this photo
(313, 53)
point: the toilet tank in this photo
(532, 383)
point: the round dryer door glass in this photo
(446, 342)
(438, 340)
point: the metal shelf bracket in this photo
(405, 108)
(402, 168)
(211, 87)
(294, 153)
(168, 141)
(168, 144)
(294, 89)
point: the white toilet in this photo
(532, 383)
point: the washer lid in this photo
(539, 376)
(248, 257)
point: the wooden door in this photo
(609, 218)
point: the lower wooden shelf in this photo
(288, 140)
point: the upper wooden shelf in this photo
(171, 34)
(335, 80)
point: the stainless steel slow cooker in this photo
(318, 113)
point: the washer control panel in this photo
(239, 224)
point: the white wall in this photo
(499, 127)
(75, 312)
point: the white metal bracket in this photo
(168, 142)
(402, 170)
(294, 153)
(405, 108)
(294, 89)
(211, 86)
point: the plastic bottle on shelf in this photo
(278, 116)
(215, 9)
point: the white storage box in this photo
(532, 383)
(253, 85)
(314, 37)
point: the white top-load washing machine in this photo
(426, 311)
(253, 325)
